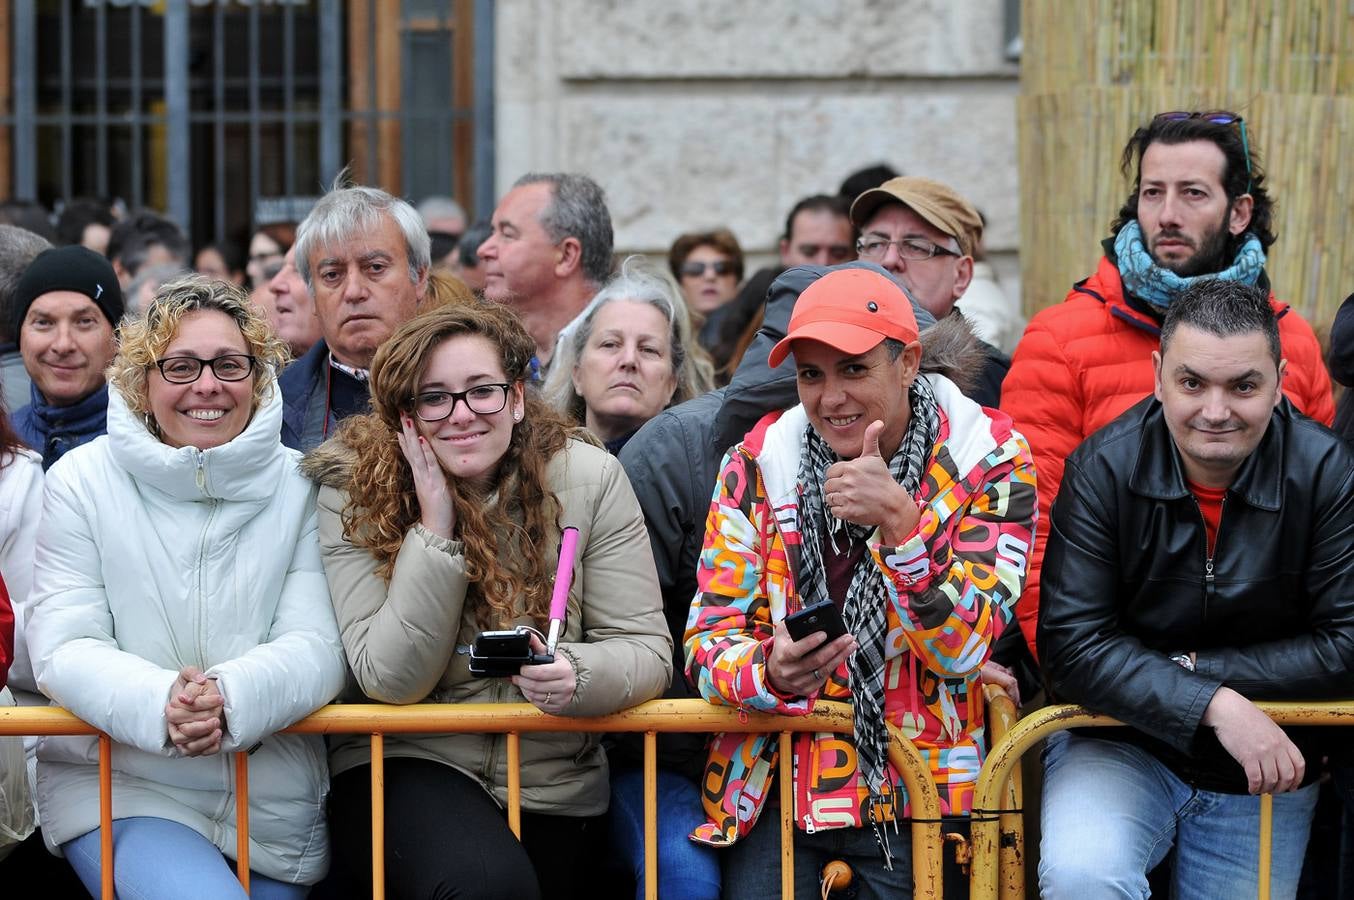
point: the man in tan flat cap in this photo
(924, 233)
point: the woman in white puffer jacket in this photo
(179, 604)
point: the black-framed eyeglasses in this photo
(1216, 117)
(187, 369)
(695, 269)
(908, 248)
(483, 399)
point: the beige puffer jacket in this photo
(408, 641)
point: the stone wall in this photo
(697, 113)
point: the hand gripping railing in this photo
(992, 833)
(515, 719)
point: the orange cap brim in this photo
(845, 337)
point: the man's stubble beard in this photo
(1213, 254)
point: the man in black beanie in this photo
(66, 307)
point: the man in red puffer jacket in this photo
(1198, 209)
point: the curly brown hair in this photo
(505, 541)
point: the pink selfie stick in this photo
(564, 576)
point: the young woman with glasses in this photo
(441, 518)
(179, 605)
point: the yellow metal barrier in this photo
(516, 719)
(990, 833)
(1002, 716)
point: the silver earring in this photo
(517, 416)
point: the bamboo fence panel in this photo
(1095, 70)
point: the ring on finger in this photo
(548, 695)
(816, 676)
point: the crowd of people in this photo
(389, 455)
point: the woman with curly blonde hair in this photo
(441, 515)
(179, 605)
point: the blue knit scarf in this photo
(1159, 286)
(52, 430)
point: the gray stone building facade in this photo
(698, 113)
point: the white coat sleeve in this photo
(71, 638)
(299, 668)
(21, 488)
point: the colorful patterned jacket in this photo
(952, 588)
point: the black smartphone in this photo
(822, 616)
(498, 654)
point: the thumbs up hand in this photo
(862, 491)
(870, 445)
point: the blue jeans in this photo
(752, 865)
(1111, 812)
(156, 858)
(1342, 773)
(686, 870)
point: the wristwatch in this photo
(1183, 660)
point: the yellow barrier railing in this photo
(1002, 716)
(517, 719)
(993, 836)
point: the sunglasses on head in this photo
(1215, 117)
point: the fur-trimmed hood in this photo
(950, 348)
(330, 464)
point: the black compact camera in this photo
(498, 654)
(822, 616)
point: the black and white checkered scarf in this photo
(866, 607)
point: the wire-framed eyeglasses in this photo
(908, 248)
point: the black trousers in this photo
(446, 838)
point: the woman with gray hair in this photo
(628, 356)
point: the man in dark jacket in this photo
(65, 309)
(364, 258)
(1200, 558)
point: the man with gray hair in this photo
(18, 248)
(549, 252)
(364, 258)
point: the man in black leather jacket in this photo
(1200, 557)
